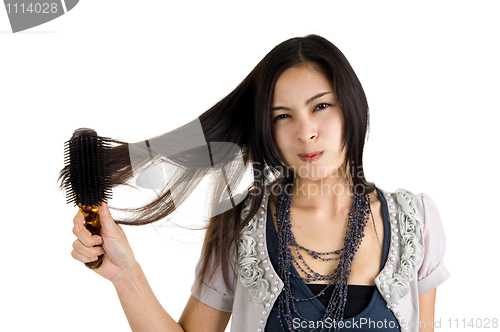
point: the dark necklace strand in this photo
(317, 255)
(311, 277)
(358, 217)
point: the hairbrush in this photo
(86, 177)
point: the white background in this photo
(135, 69)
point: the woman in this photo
(313, 246)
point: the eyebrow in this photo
(310, 100)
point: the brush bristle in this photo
(86, 178)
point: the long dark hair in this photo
(243, 118)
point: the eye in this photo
(281, 116)
(321, 106)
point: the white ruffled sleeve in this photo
(432, 272)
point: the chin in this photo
(313, 172)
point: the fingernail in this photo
(98, 242)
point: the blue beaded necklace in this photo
(358, 217)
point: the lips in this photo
(311, 156)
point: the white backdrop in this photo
(133, 70)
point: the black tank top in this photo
(358, 297)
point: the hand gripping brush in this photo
(86, 177)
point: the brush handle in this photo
(93, 225)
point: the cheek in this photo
(282, 140)
(333, 131)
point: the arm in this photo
(432, 271)
(426, 304)
(198, 316)
(143, 310)
(145, 313)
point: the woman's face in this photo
(307, 123)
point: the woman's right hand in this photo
(118, 255)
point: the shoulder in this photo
(414, 210)
(408, 202)
(421, 230)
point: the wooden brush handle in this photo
(93, 224)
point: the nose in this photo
(307, 131)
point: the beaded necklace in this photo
(358, 217)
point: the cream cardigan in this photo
(414, 266)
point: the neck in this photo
(330, 195)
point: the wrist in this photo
(128, 274)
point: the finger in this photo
(81, 258)
(84, 235)
(83, 250)
(95, 240)
(78, 220)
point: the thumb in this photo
(108, 225)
